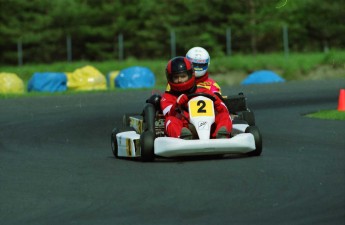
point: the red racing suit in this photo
(174, 120)
(206, 82)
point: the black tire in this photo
(149, 115)
(125, 120)
(249, 117)
(114, 146)
(254, 130)
(147, 139)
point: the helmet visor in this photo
(200, 66)
(181, 77)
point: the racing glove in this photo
(182, 100)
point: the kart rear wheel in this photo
(254, 130)
(114, 146)
(249, 117)
(147, 146)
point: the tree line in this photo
(40, 28)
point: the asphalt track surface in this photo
(56, 165)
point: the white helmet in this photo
(200, 59)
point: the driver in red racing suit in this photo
(181, 78)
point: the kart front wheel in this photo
(114, 143)
(125, 120)
(114, 146)
(254, 130)
(147, 139)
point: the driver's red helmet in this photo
(178, 65)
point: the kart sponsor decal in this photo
(140, 128)
(137, 124)
(205, 84)
(200, 61)
(128, 147)
(137, 146)
(203, 125)
(201, 107)
(159, 125)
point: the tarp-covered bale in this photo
(48, 82)
(135, 77)
(10, 83)
(111, 78)
(262, 77)
(85, 79)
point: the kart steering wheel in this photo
(201, 94)
(192, 95)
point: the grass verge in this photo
(297, 66)
(328, 114)
(227, 70)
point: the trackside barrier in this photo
(86, 78)
(10, 83)
(341, 101)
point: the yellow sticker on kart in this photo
(201, 107)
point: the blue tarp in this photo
(48, 82)
(261, 77)
(135, 77)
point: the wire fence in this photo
(120, 42)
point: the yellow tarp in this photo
(85, 79)
(10, 83)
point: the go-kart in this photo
(142, 136)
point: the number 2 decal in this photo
(202, 107)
